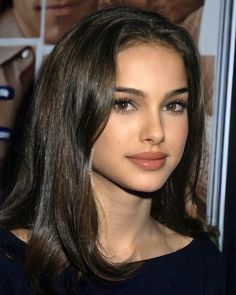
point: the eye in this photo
(123, 105)
(177, 106)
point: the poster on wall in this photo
(33, 27)
(28, 32)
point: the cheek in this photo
(177, 135)
(181, 130)
(181, 137)
(116, 133)
(108, 144)
(109, 137)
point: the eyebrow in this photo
(177, 91)
(138, 92)
(129, 90)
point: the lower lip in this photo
(149, 165)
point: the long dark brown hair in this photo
(72, 102)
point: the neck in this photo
(125, 221)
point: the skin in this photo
(60, 16)
(151, 121)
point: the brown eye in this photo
(175, 107)
(123, 105)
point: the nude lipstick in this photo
(149, 161)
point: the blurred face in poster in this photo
(60, 16)
(176, 10)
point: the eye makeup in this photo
(124, 105)
(176, 106)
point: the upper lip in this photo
(61, 5)
(57, 5)
(149, 156)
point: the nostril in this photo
(155, 138)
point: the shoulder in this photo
(197, 268)
(12, 252)
(206, 249)
(203, 253)
(185, 247)
(214, 267)
(203, 264)
(10, 244)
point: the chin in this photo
(146, 187)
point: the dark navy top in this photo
(197, 269)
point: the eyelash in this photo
(180, 103)
(167, 108)
(126, 101)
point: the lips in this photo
(149, 161)
(61, 8)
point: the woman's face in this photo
(145, 135)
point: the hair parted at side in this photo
(73, 98)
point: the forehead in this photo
(151, 64)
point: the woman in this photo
(109, 166)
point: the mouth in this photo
(59, 9)
(149, 161)
(61, 6)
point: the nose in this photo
(152, 129)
